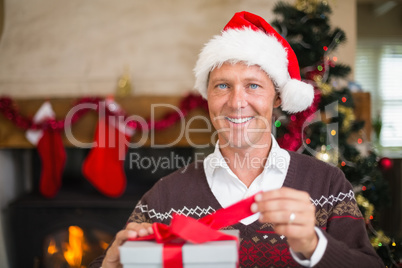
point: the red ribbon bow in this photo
(183, 229)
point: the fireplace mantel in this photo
(83, 130)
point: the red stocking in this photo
(53, 157)
(51, 151)
(104, 165)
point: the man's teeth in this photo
(239, 120)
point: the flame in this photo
(103, 245)
(52, 249)
(74, 248)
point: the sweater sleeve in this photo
(348, 242)
(140, 214)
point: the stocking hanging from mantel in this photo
(51, 151)
(104, 165)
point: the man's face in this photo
(240, 101)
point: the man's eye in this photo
(222, 86)
(254, 86)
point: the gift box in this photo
(149, 254)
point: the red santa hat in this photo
(248, 38)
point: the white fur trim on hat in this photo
(245, 45)
(296, 96)
(253, 48)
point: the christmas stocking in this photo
(104, 165)
(51, 151)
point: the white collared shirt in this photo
(229, 189)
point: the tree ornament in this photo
(385, 163)
(124, 85)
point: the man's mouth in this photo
(239, 120)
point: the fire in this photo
(103, 244)
(70, 247)
(74, 248)
(52, 249)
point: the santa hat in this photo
(250, 39)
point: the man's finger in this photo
(280, 205)
(283, 193)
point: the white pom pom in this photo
(296, 96)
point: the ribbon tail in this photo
(172, 255)
(230, 215)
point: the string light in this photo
(293, 117)
(323, 155)
(335, 59)
(364, 188)
(325, 48)
(343, 164)
(308, 141)
(394, 244)
(359, 141)
(371, 217)
(344, 99)
(278, 123)
(333, 132)
(319, 68)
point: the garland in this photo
(187, 104)
(292, 139)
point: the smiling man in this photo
(305, 211)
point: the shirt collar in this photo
(278, 159)
(215, 160)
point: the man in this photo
(306, 214)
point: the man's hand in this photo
(293, 216)
(133, 230)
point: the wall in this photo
(74, 48)
(344, 17)
(371, 26)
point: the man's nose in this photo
(238, 98)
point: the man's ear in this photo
(277, 100)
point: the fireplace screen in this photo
(74, 247)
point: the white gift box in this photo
(148, 254)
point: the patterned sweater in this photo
(186, 191)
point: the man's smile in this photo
(239, 120)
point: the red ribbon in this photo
(185, 229)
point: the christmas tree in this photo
(329, 129)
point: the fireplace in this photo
(78, 224)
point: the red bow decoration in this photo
(183, 229)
